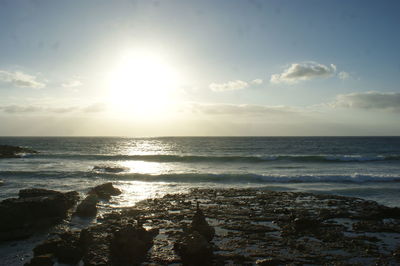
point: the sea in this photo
(364, 167)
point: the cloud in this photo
(20, 109)
(61, 110)
(28, 109)
(369, 100)
(95, 108)
(21, 80)
(229, 86)
(257, 81)
(303, 71)
(72, 83)
(240, 109)
(343, 75)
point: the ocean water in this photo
(365, 167)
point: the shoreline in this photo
(257, 226)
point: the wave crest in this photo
(244, 159)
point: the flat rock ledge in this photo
(236, 227)
(33, 210)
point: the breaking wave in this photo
(208, 177)
(233, 159)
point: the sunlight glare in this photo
(142, 83)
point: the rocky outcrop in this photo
(252, 227)
(116, 241)
(37, 192)
(34, 209)
(200, 225)
(194, 246)
(130, 244)
(194, 249)
(41, 260)
(8, 151)
(88, 207)
(65, 248)
(105, 191)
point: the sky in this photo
(199, 68)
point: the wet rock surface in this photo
(34, 209)
(8, 151)
(88, 206)
(105, 191)
(251, 227)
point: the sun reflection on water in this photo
(142, 167)
(135, 191)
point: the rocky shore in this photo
(220, 227)
(8, 151)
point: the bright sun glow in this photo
(142, 83)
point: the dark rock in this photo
(271, 262)
(388, 212)
(105, 191)
(65, 248)
(8, 151)
(20, 217)
(37, 192)
(94, 243)
(194, 249)
(85, 239)
(200, 225)
(47, 247)
(396, 254)
(130, 244)
(68, 253)
(42, 260)
(68, 250)
(302, 224)
(109, 169)
(88, 207)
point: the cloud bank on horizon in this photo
(216, 68)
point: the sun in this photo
(142, 83)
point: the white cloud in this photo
(257, 81)
(21, 80)
(20, 109)
(343, 75)
(28, 109)
(369, 100)
(72, 83)
(303, 71)
(95, 108)
(240, 109)
(229, 86)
